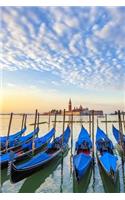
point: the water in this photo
(58, 177)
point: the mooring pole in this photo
(93, 140)
(55, 124)
(33, 145)
(97, 121)
(106, 124)
(25, 120)
(81, 119)
(120, 128)
(49, 121)
(36, 113)
(93, 151)
(124, 122)
(71, 143)
(38, 116)
(90, 132)
(8, 133)
(22, 125)
(71, 130)
(63, 126)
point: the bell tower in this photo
(70, 105)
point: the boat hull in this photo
(18, 175)
(112, 177)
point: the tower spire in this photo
(70, 105)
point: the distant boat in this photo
(26, 149)
(121, 144)
(11, 139)
(82, 159)
(106, 155)
(54, 150)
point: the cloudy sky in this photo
(50, 54)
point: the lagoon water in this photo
(58, 177)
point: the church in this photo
(76, 110)
(80, 110)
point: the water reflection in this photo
(93, 185)
(123, 172)
(4, 176)
(61, 184)
(33, 182)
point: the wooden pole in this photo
(8, 133)
(93, 151)
(81, 119)
(120, 128)
(71, 130)
(55, 124)
(71, 124)
(49, 121)
(38, 116)
(61, 186)
(25, 120)
(33, 145)
(97, 121)
(90, 132)
(124, 122)
(106, 124)
(36, 113)
(22, 125)
(93, 140)
(63, 126)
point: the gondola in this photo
(40, 176)
(11, 139)
(106, 155)
(54, 150)
(120, 140)
(82, 159)
(17, 143)
(26, 149)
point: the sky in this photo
(51, 54)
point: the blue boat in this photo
(106, 155)
(17, 143)
(11, 138)
(26, 149)
(120, 140)
(54, 150)
(82, 158)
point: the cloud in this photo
(114, 29)
(80, 46)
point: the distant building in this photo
(75, 111)
(53, 112)
(80, 110)
(96, 112)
